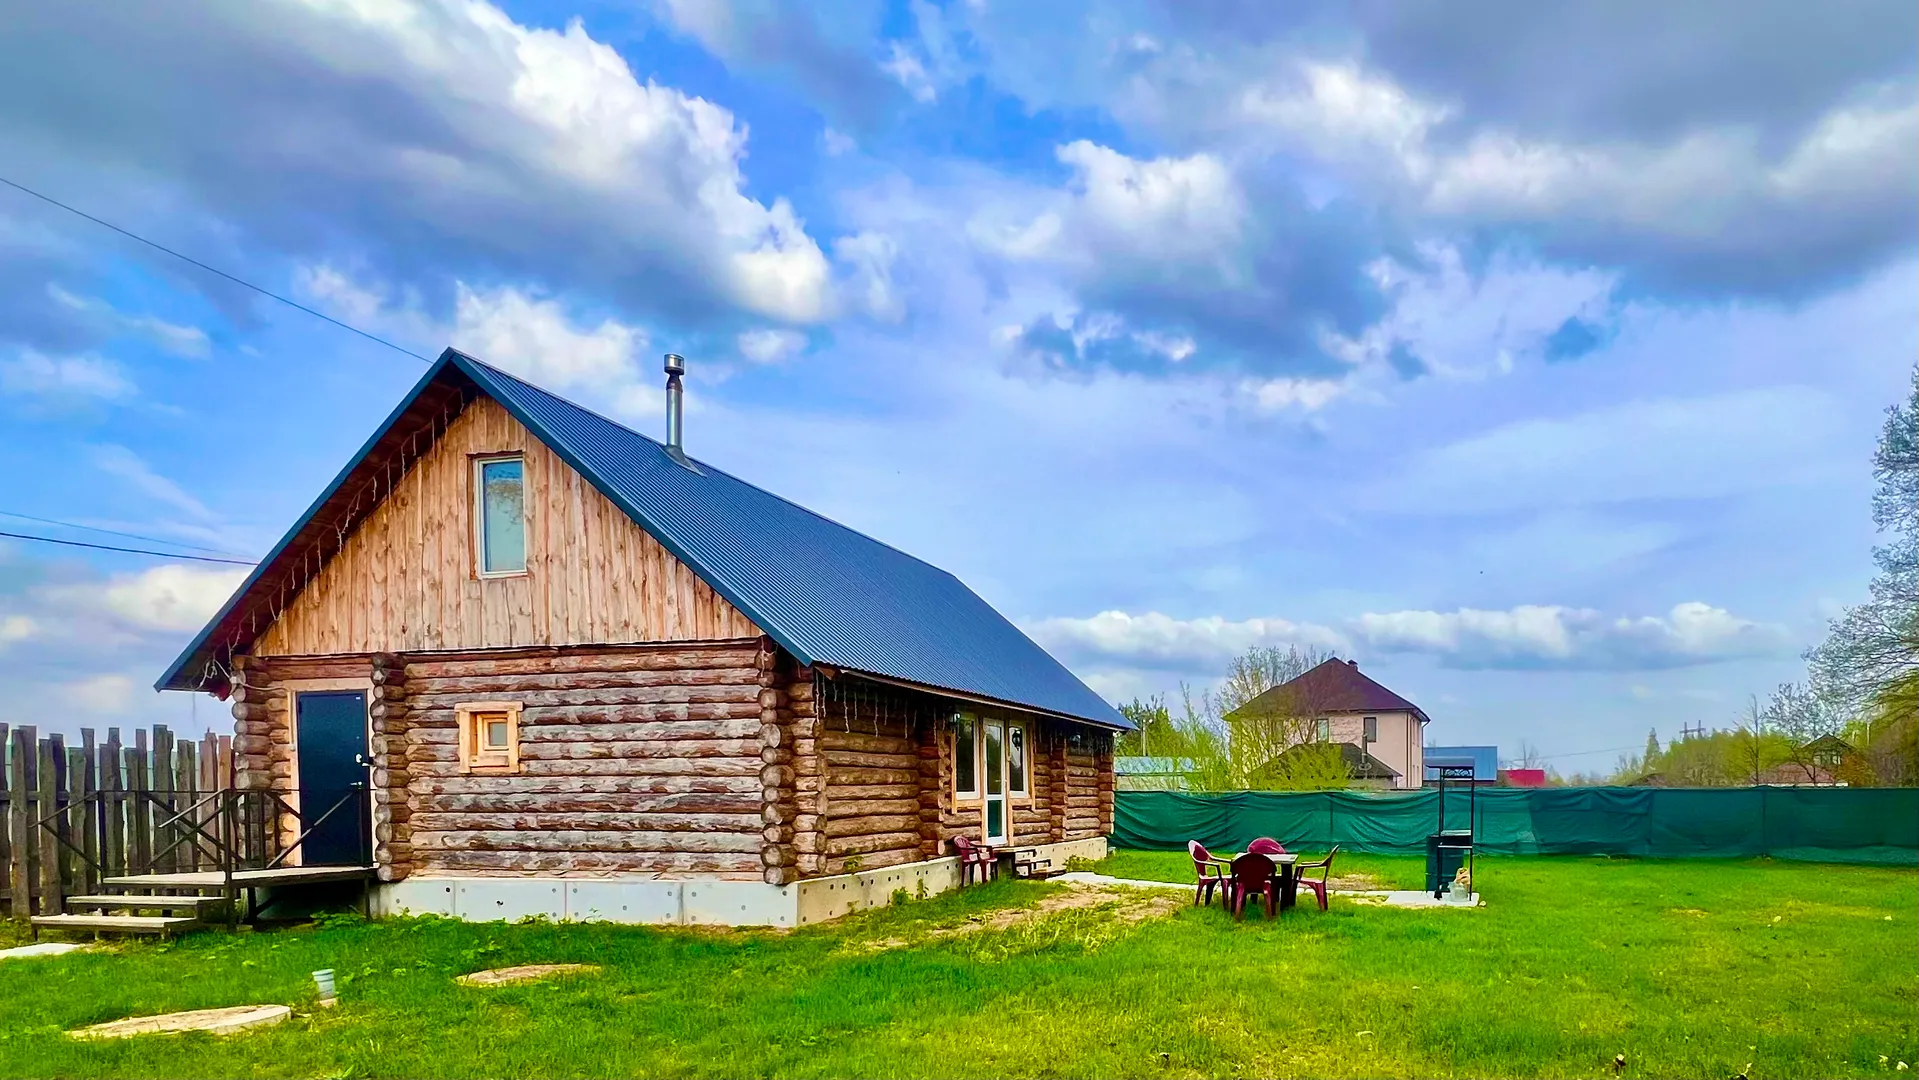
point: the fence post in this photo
(160, 782)
(113, 806)
(186, 777)
(139, 811)
(48, 818)
(90, 808)
(6, 815)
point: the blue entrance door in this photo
(332, 744)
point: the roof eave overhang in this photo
(977, 699)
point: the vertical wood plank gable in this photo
(405, 581)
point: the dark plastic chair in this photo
(1324, 865)
(1253, 875)
(1211, 873)
(974, 857)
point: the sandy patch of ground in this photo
(1126, 907)
(524, 973)
(214, 1021)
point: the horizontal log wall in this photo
(711, 758)
(404, 579)
(636, 759)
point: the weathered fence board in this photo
(72, 814)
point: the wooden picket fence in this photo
(76, 813)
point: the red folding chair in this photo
(1324, 865)
(1211, 873)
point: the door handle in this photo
(361, 761)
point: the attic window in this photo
(489, 736)
(499, 515)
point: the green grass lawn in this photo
(1687, 968)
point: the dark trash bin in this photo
(1446, 852)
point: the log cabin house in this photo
(583, 675)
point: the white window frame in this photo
(1323, 729)
(1369, 729)
(480, 462)
(476, 758)
(978, 790)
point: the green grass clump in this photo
(1686, 968)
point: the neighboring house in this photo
(1342, 705)
(1484, 761)
(1819, 764)
(584, 673)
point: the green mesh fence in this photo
(1850, 825)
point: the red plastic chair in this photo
(1211, 873)
(974, 857)
(1318, 887)
(1253, 875)
(1265, 845)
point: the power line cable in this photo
(115, 532)
(51, 201)
(130, 551)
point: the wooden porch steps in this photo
(212, 879)
(144, 901)
(163, 925)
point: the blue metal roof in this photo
(825, 593)
(1483, 759)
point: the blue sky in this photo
(1531, 354)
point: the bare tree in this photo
(1802, 716)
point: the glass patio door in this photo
(995, 781)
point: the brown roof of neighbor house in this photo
(1335, 686)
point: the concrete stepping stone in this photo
(506, 976)
(213, 1021)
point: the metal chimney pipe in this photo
(675, 367)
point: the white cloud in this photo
(1177, 209)
(488, 142)
(131, 467)
(104, 694)
(514, 329)
(770, 346)
(187, 341)
(532, 336)
(1460, 322)
(1160, 641)
(1274, 395)
(1525, 637)
(837, 143)
(16, 628)
(1535, 636)
(1341, 111)
(35, 374)
(168, 598)
(871, 255)
(907, 69)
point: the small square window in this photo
(499, 515)
(489, 736)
